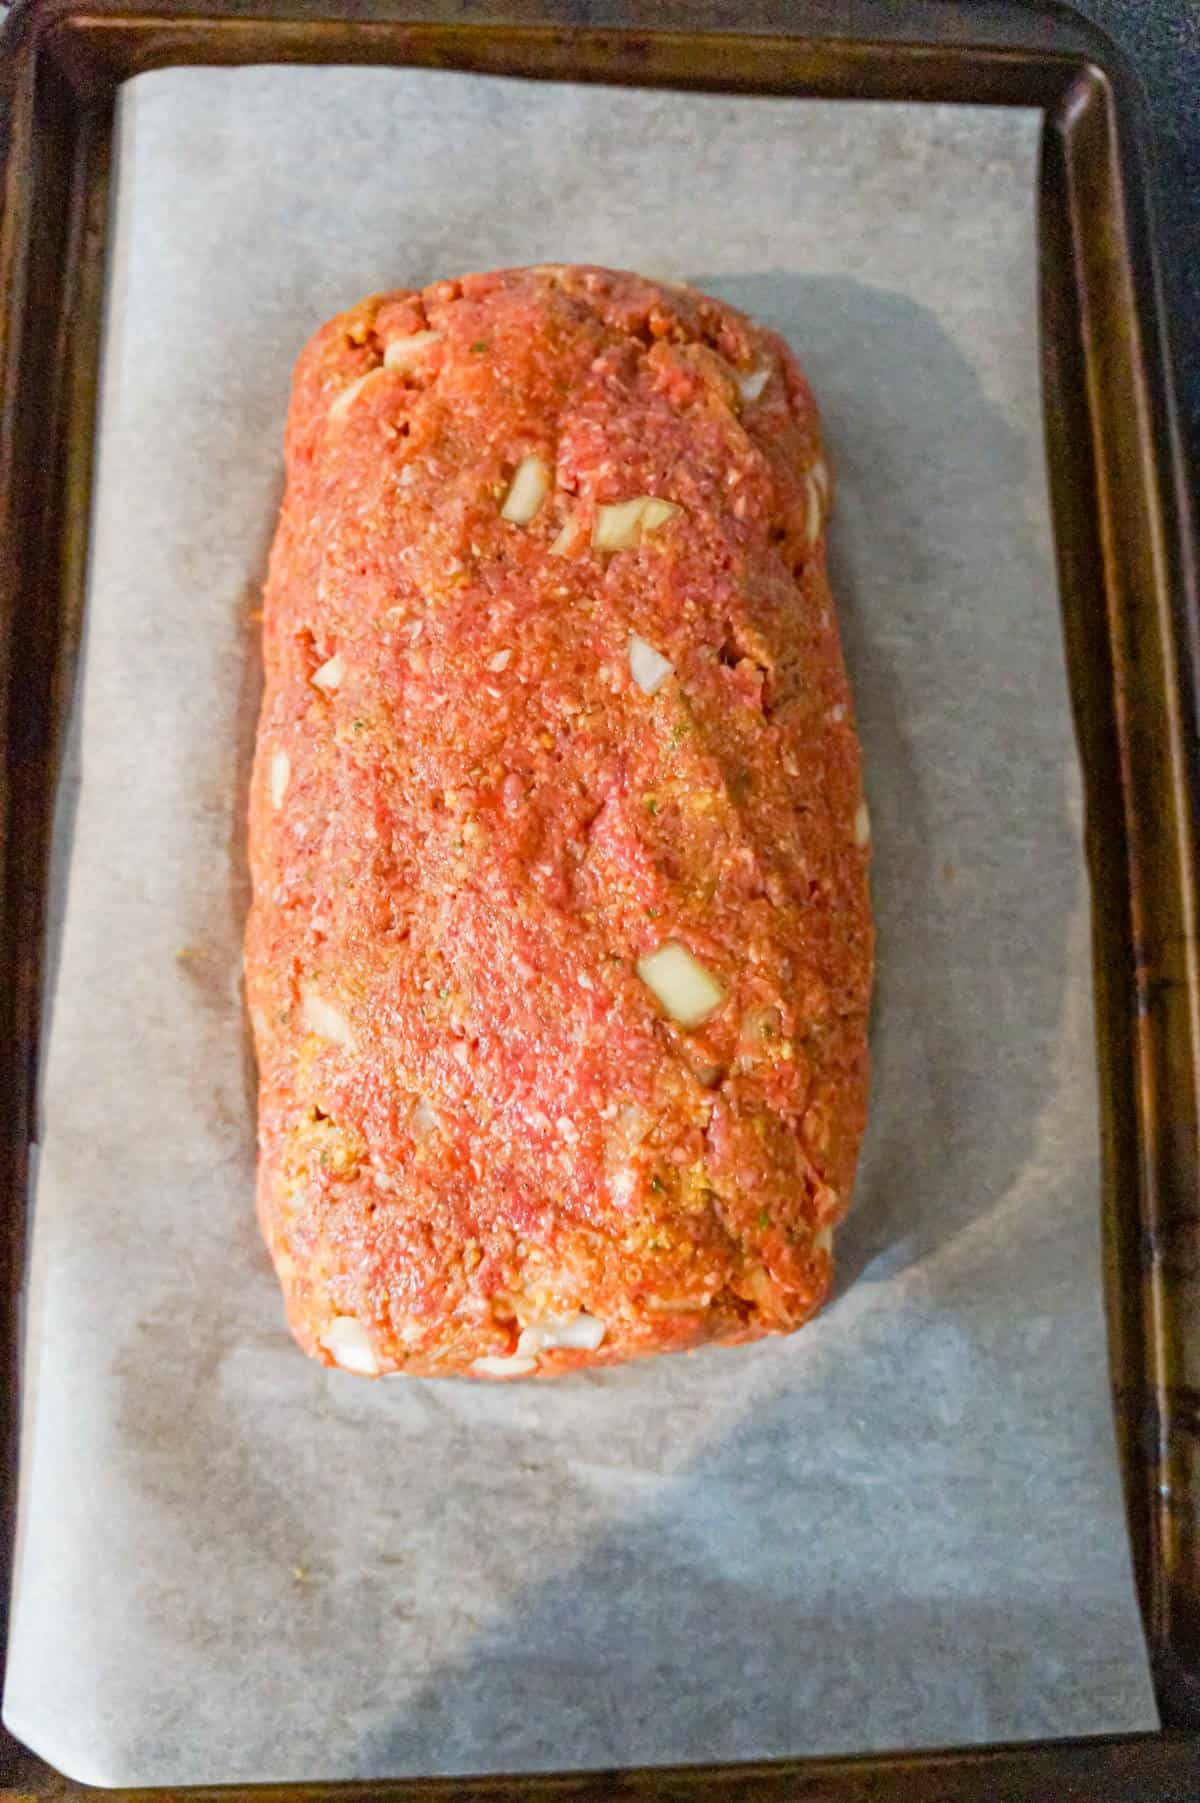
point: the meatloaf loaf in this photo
(560, 948)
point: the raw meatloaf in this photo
(560, 949)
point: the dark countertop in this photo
(1162, 40)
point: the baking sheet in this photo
(902, 1527)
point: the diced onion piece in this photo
(756, 1286)
(862, 826)
(323, 1019)
(349, 1344)
(499, 662)
(751, 382)
(568, 537)
(349, 395)
(281, 772)
(581, 1333)
(687, 991)
(571, 1333)
(527, 490)
(657, 512)
(330, 673)
(493, 1366)
(619, 525)
(424, 1119)
(823, 1239)
(674, 1305)
(648, 667)
(812, 524)
(819, 473)
(402, 353)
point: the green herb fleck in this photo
(656, 1184)
(443, 992)
(651, 805)
(480, 344)
(764, 1219)
(358, 726)
(653, 913)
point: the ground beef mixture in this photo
(560, 951)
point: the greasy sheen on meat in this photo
(560, 950)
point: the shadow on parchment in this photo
(947, 599)
(906, 1678)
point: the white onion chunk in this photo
(812, 523)
(281, 773)
(527, 490)
(323, 1019)
(344, 401)
(493, 1366)
(687, 991)
(751, 382)
(568, 538)
(648, 667)
(402, 353)
(330, 674)
(620, 525)
(573, 1333)
(349, 1344)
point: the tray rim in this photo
(60, 61)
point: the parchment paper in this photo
(904, 1525)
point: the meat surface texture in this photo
(560, 951)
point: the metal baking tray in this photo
(1131, 612)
